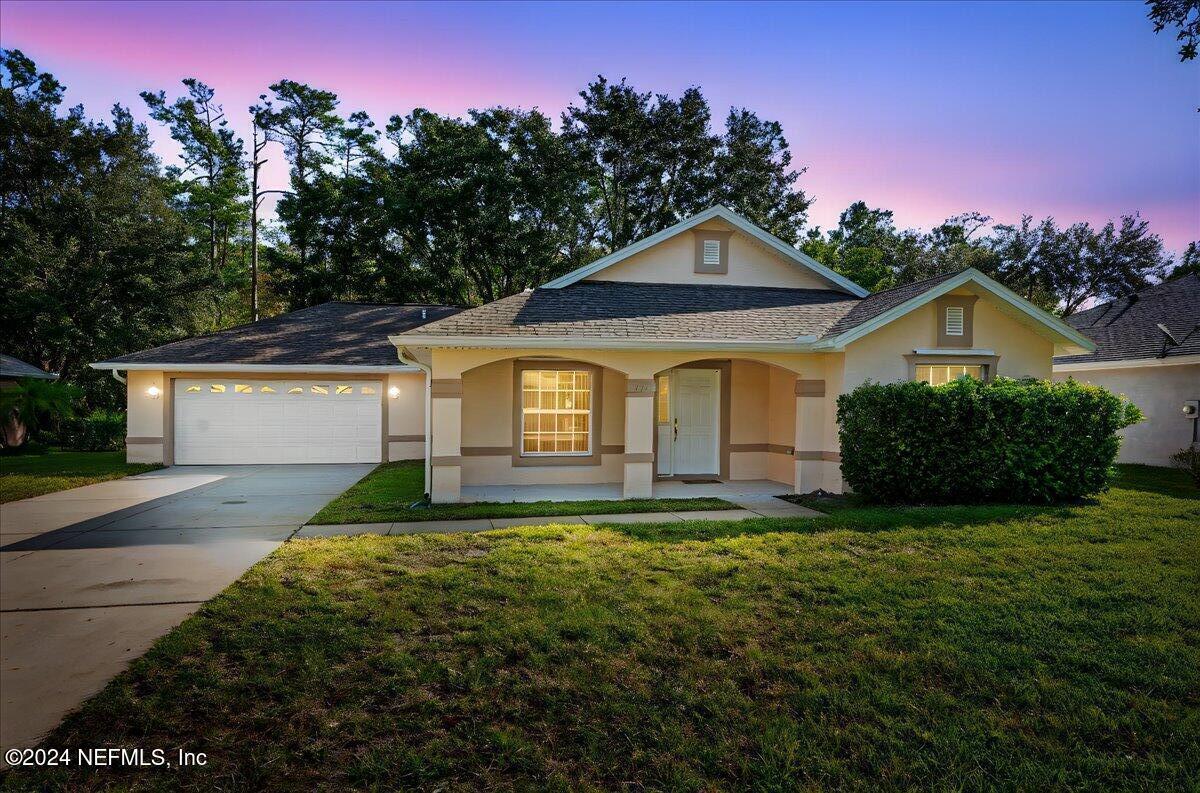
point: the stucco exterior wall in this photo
(749, 419)
(1160, 392)
(406, 416)
(879, 356)
(145, 420)
(673, 262)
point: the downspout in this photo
(118, 378)
(428, 370)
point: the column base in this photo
(639, 480)
(446, 484)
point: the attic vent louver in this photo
(954, 321)
(712, 253)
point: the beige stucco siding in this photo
(1160, 392)
(406, 416)
(673, 262)
(879, 356)
(144, 417)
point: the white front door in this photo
(696, 399)
(229, 421)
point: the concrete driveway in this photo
(90, 577)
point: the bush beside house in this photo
(99, 431)
(964, 442)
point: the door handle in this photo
(676, 435)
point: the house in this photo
(710, 350)
(12, 370)
(1147, 348)
(318, 385)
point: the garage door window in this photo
(242, 388)
(296, 390)
(193, 389)
(368, 390)
(267, 389)
(217, 388)
(344, 389)
(320, 389)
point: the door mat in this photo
(701, 481)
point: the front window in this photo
(556, 412)
(940, 374)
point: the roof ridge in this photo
(910, 284)
(706, 286)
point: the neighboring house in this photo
(1147, 348)
(12, 370)
(711, 350)
(318, 385)
(12, 429)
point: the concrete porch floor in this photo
(755, 494)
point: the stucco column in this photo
(446, 427)
(639, 438)
(810, 435)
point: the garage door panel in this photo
(278, 422)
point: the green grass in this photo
(29, 475)
(388, 494)
(948, 648)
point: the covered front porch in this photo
(524, 425)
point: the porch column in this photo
(446, 450)
(639, 438)
(810, 434)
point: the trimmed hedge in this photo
(1017, 441)
(100, 431)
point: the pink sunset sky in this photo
(1076, 110)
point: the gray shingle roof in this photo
(612, 309)
(13, 368)
(1127, 329)
(875, 304)
(330, 334)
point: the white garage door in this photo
(224, 422)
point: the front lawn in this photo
(29, 475)
(947, 648)
(388, 494)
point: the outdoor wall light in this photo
(394, 392)
(152, 392)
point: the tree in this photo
(1181, 14)
(303, 119)
(484, 207)
(211, 182)
(1189, 264)
(96, 258)
(863, 247)
(27, 403)
(753, 175)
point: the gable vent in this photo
(712, 253)
(954, 321)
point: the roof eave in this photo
(169, 366)
(799, 344)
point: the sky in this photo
(1075, 110)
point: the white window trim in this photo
(590, 413)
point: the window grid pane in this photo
(556, 411)
(941, 374)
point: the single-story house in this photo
(710, 350)
(1147, 348)
(318, 385)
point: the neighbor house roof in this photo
(13, 369)
(327, 335)
(1158, 323)
(628, 314)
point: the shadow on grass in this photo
(1156, 479)
(861, 518)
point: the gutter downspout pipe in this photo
(118, 377)
(408, 357)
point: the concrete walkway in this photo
(767, 507)
(91, 577)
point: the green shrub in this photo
(100, 431)
(1019, 441)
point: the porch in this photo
(606, 425)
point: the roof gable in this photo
(884, 307)
(772, 248)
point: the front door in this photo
(695, 401)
